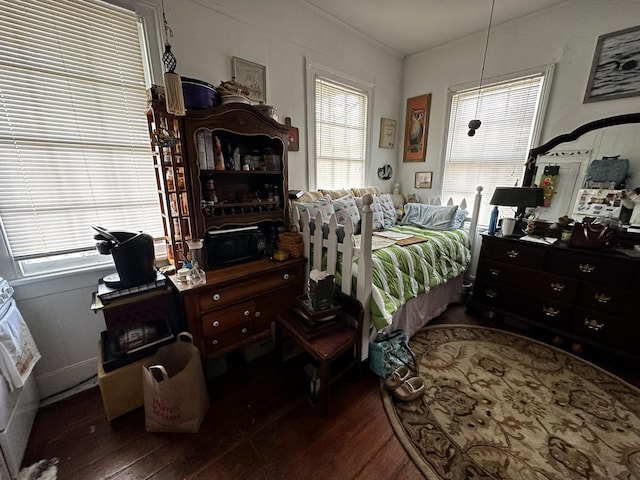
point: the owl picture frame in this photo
(416, 128)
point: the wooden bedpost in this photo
(363, 291)
(473, 227)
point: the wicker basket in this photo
(292, 243)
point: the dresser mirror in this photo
(563, 163)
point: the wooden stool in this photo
(327, 347)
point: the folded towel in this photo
(18, 351)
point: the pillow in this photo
(461, 216)
(388, 210)
(346, 209)
(434, 217)
(376, 208)
(333, 194)
(361, 192)
(322, 205)
(310, 196)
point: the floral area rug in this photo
(502, 406)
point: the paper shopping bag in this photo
(175, 391)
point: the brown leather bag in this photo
(591, 235)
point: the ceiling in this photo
(410, 26)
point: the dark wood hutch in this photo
(221, 167)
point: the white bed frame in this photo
(334, 239)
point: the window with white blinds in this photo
(74, 142)
(341, 113)
(495, 155)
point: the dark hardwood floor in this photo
(260, 425)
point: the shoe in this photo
(397, 377)
(410, 389)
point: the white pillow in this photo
(347, 210)
(461, 216)
(322, 205)
(434, 217)
(388, 210)
(376, 208)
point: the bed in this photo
(404, 275)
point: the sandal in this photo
(397, 377)
(410, 389)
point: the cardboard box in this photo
(121, 389)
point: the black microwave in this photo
(233, 245)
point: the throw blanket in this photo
(402, 273)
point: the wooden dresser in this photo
(237, 304)
(586, 296)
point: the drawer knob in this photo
(602, 297)
(490, 293)
(216, 297)
(512, 253)
(557, 287)
(246, 313)
(214, 342)
(494, 271)
(586, 268)
(593, 324)
(244, 330)
(286, 276)
(215, 323)
(550, 312)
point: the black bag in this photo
(389, 351)
(590, 235)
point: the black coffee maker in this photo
(132, 253)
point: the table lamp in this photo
(520, 197)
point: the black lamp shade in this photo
(518, 197)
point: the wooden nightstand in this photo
(329, 347)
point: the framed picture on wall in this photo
(387, 133)
(423, 179)
(252, 76)
(614, 71)
(416, 128)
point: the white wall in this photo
(279, 34)
(565, 35)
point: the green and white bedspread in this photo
(402, 273)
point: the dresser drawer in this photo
(516, 253)
(593, 268)
(517, 302)
(550, 311)
(229, 317)
(496, 295)
(607, 299)
(215, 298)
(268, 306)
(227, 338)
(611, 331)
(534, 281)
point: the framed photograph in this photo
(423, 179)
(252, 76)
(614, 72)
(416, 128)
(387, 133)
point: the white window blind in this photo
(341, 126)
(74, 142)
(496, 154)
